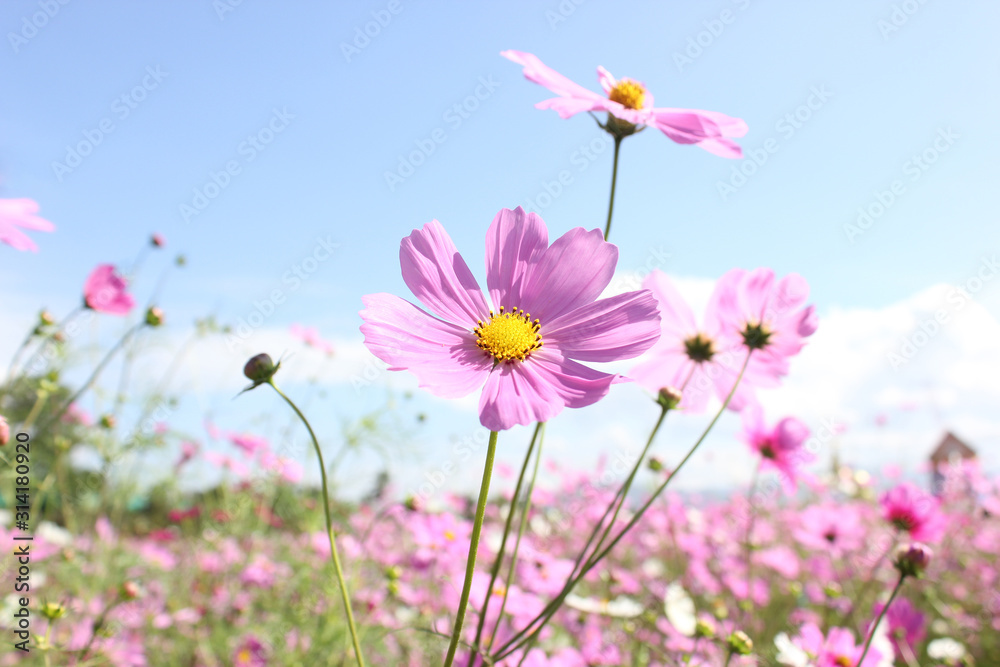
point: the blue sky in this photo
(310, 117)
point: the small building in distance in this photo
(949, 452)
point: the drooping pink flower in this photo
(107, 292)
(16, 213)
(779, 446)
(545, 319)
(766, 316)
(836, 649)
(630, 101)
(695, 359)
(310, 336)
(914, 511)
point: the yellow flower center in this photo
(450, 536)
(499, 590)
(844, 661)
(630, 94)
(243, 657)
(508, 335)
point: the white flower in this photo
(53, 534)
(789, 653)
(945, 648)
(620, 607)
(679, 607)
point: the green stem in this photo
(54, 417)
(546, 614)
(498, 561)
(614, 182)
(525, 515)
(871, 633)
(329, 529)
(470, 566)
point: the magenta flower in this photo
(106, 292)
(696, 360)
(250, 653)
(545, 319)
(910, 509)
(906, 624)
(765, 316)
(779, 446)
(16, 213)
(630, 101)
(310, 336)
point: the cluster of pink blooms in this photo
(675, 588)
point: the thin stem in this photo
(9, 387)
(546, 614)
(871, 633)
(498, 561)
(470, 566)
(525, 515)
(54, 417)
(329, 529)
(614, 182)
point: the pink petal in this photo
(607, 81)
(444, 357)
(17, 239)
(620, 327)
(439, 277)
(570, 274)
(514, 240)
(676, 317)
(538, 72)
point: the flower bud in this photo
(107, 422)
(157, 241)
(912, 559)
(655, 464)
(130, 590)
(46, 319)
(154, 316)
(4, 431)
(393, 572)
(260, 369)
(53, 610)
(704, 628)
(414, 503)
(832, 590)
(739, 643)
(669, 398)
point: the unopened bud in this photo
(393, 572)
(704, 628)
(912, 559)
(107, 422)
(832, 590)
(414, 503)
(669, 398)
(181, 260)
(46, 319)
(130, 590)
(655, 464)
(53, 610)
(260, 369)
(740, 643)
(157, 241)
(154, 316)
(4, 431)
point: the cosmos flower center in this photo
(756, 336)
(628, 93)
(508, 336)
(699, 348)
(843, 661)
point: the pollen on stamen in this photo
(509, 335)
(630, 94)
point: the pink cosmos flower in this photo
(250, 653)
(766, 316)
(105, 291)
(545, 320)
(698, 360)
(310, 336)
(830, 527)
(837, 649)
(250, 444)
(915, 511)
(16, 213)
(630, 101)
(779, 446)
